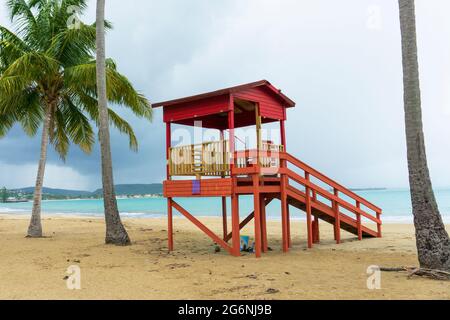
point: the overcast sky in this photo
(339, 60)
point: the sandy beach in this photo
(36, 268)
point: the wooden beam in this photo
(283, 135)
(257, 203)
(308, 214)
(258, 133)
(224, 217)
(264, 243)
(168, 145)
(235, 235)
(170, 224)
(358, 221)
(316, 231)
(337, 218)
(289, 226)
(202, 227)
(284, 214)
(379, 235)
(236, 239)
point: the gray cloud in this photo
(344, 74)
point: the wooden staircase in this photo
(360, 217)
(297, 199)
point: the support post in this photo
(284, 208)
(309, 213)
(316, 230)
(337, 219)
(264, 243)
(169, 200)
(224, 199)
(168, 146)
(358, 221)
(170, 224)
(236, 239)
(379, 225)
(289, 239)
(224, 217)
(258, 134)
(256, 201)
(283, 134)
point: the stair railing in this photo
(334, 197)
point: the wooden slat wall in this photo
(208, 188)
(190, 110)
(270, 105)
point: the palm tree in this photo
(433, 244)
(115, 231)
(48, 79)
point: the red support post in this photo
(224, 199)
(236, 239)
(379, 225)
(264, 243)
(358, 221)
(309, 214)
(169, 200)
(316, 231)
(168, 146)
(283, 134)
(337, 219)
(289, 239)
(170, 224)
(224, 217)
(231, 131)
(285, 215)
(284, 206)
(256, 201)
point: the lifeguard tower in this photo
(267, 172)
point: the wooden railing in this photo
(337, 202)
(205, 159)
(213, 159)
(332, 190)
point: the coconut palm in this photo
(48, 80)
(433, 244)
(115, 231)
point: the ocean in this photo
(396, 205)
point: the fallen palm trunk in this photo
(421, 272)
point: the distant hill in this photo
(121, 189)
(56, 192)
(135, 189)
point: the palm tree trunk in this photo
(433, 244)
(115, 231)
(35, 227)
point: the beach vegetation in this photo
(48, 81)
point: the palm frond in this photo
(32, 65)
(119, 88)
(123, 127)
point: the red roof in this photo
(288, 102)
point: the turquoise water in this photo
(395, 203)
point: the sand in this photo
(36, 268)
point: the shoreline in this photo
(144, 215)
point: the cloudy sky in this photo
(339, 60)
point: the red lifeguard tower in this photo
(268, 172)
